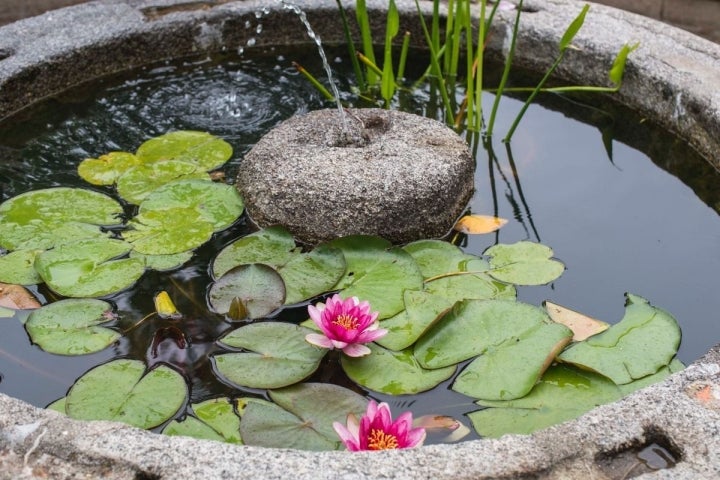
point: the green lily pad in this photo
(470, 286)
(206, 151)
(279, 356)
(125, 391)
(163, 263)
(18, 268)
(393, 373)
(563, 393)
(435, 257)
(306, 275)
(139, 181)
(268, 425)
(87, 268)
(6, 312)
(524, 263)
(377, 273)
(473, 327)
(318, 405)
(213, 419)
(42, 219)
(258, 286)
(217, 203)
(511, 369)
(106, 169)
(645, 340)
(422, 310)
(58, 405)
(72, 327)
(168, 232)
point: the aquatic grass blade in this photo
(363, 20)
(387, 88)
(359, 77)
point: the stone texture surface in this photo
(672, 79)
(390, 173)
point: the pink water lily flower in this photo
(377, 431)
(345, 324)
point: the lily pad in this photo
(6, 312)
(217, 203)
(422, 310)
(524, 263)
(645, 340)
(305, 275)
(168, 232)
(470, 286)
(42, 219)
(18, 268)
(163, 263)
(258, 286)
(279, 356)
(511, 369)
(473, 327)
(125, 391)
(203, 149)
(106, 169)
(139, 181)
(376, 273)
(563, 393)
(268, 425)
(213, 419)
(393, 373)
(58, 405)
(435, 257)
(72, 327)
(87, 268)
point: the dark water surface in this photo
(620, 223)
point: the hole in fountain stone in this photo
(621, 203)
(6, 53)
(657, 452)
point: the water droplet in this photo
(258, 29)
(241, 50)
(258, 14)
(247, 24)
(251, 42)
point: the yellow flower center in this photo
(348, 322)
(379, 440)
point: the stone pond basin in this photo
(674, 80)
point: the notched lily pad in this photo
(524, 263)
(72, 327)
(106, 169)
(278, 356)
(213, 419)
(644, 341)
(258, 286)
(18, 268)
(393, 373)
(88, 268)
(139, 181)
(125, 391)
(203, 149)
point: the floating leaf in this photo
(393, 373)
(138, 182)
(476, 286)
(511, 369)
(479, 224)
(6, 312)
(58, 405)
(453, 429)
(163, 263)
(106, 169)
(376, 273)
(562, 394)
(42, 219)
(258, 286)
(524, 263)
(124, 391)
(206, 151)
(473, 327)
(268, 425)
(581, 325)
(422, 310)
(87, 268)
(168, 232)
(305, 275)
(213, 419)
(279, 355)
(435, 257)
(72, 327)
(216, 203)
(645, 340)
(17, 297)
(18, 268)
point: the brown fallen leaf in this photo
(477, 224)
(17, 297)
(443, 423)
(581, 325)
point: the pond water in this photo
(642, 219)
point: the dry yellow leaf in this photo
(581, 325)
(17, 297)
(475, 224)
